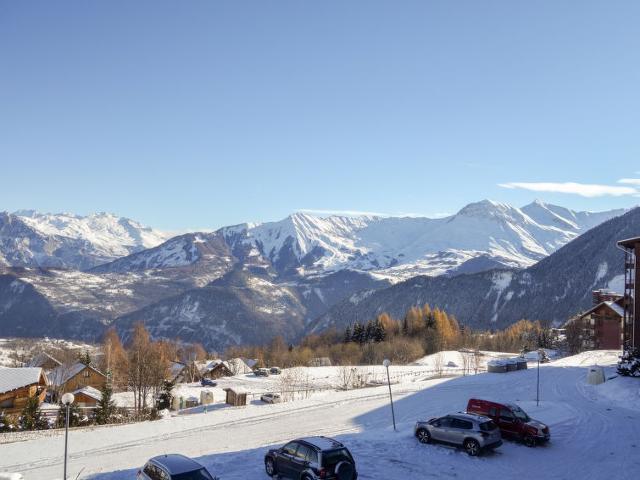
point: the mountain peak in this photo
(485, 207)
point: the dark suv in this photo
(310, 459)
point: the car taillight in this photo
(484, 434)
(322, 473)
(545, 430)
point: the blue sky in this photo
(204, 113)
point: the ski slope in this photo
(595, 431)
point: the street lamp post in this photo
(538, 382)
(386, 364)
(67, 400)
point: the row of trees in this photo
(421, 331)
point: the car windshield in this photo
(333, 457)
(201, 474)
(518, 412)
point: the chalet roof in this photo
(14, 378)
(208, 365)
(629, 242)
(176, 369)
(615, 307)
(62, 374)
(89, 392)
(40, 359)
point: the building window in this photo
(86, 374)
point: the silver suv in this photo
(173, 467)
(474, 433)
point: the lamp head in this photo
(386, 362)
(67, 399)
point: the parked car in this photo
(207, 382)
(271, 398)
(311, 458)
(261, 372)
(474, 433)
(275, 371)
(173, 467)
(512, 421)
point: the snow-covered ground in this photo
(594, 431)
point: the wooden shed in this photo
(236, 396)
(17, 385)
(87, 397)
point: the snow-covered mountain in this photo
(398, 248)
(250, 282)
(62, 240)
(554, 289)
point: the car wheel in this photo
(529, 441)
(270, 467)
(472, 447)
(344, 471)
(423, 435)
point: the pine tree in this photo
(31, 417)
(164, 400)
(84, 358)
(379, 331)
(347, 335)
(358, 333)
(106, 407)
(369, 332)
(74, 415)
(405, 326)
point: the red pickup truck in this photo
(512, 421)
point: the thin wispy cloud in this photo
(583, 189)
(630, 181)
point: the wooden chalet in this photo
(601, 327)
(215, 369)
(18, 385)
(74, 377)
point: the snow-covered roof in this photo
(64, 373)
(176, 369)
(616, 308)
(208, 365)
(89, 392)
(14, 378)
(237, 389)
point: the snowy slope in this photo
(593, 434)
